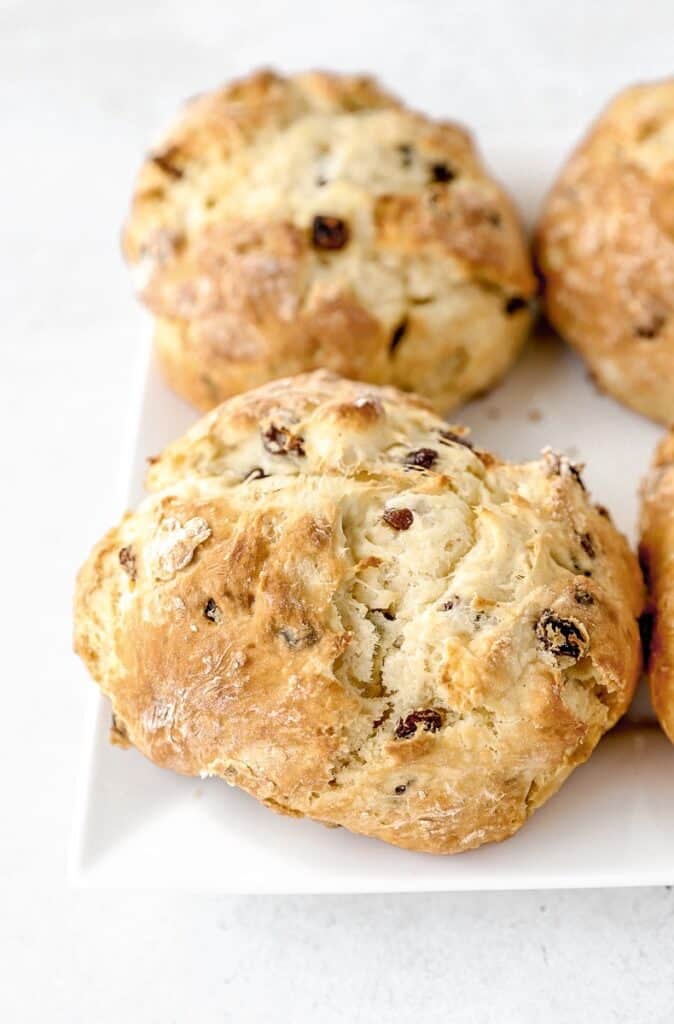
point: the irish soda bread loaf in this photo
(657, 555)
(333, 601)
(291, 223)
(606, 250)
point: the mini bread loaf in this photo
(291, 223)
(657, 557)
(605, 248)
(332, 600)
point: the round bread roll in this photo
(657, 557)
(333, 601)
(605, 247)
(291, 223)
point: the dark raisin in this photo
(406, 151)
(652, 328)
(127, 560)
(583, 597)
(399, 790)
(281, 441)
(587, 545)
(165, 162)
(560, 465)
(562, 637)
(329, 232)
(398, 335)
(448, 605)
(514, 304)
(449, 437)
(429, 718)
(442, 172)
(389, 616)
(575, 473)
(211, 611)
(421, 458)
(296, 639)
(398, 518)
(255, 474)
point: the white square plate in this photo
(611, 824)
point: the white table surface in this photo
(83, 85)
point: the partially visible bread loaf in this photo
(657, 556)
(291, 223)
(333, 601)
(606, 250)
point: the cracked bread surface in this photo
(657, 556)
(605, 247)
(332, 600)
(290, 223)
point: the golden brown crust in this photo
(657, 556)
(605, 246)
(420, 279)
(332, 601)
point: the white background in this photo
(83, 86)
